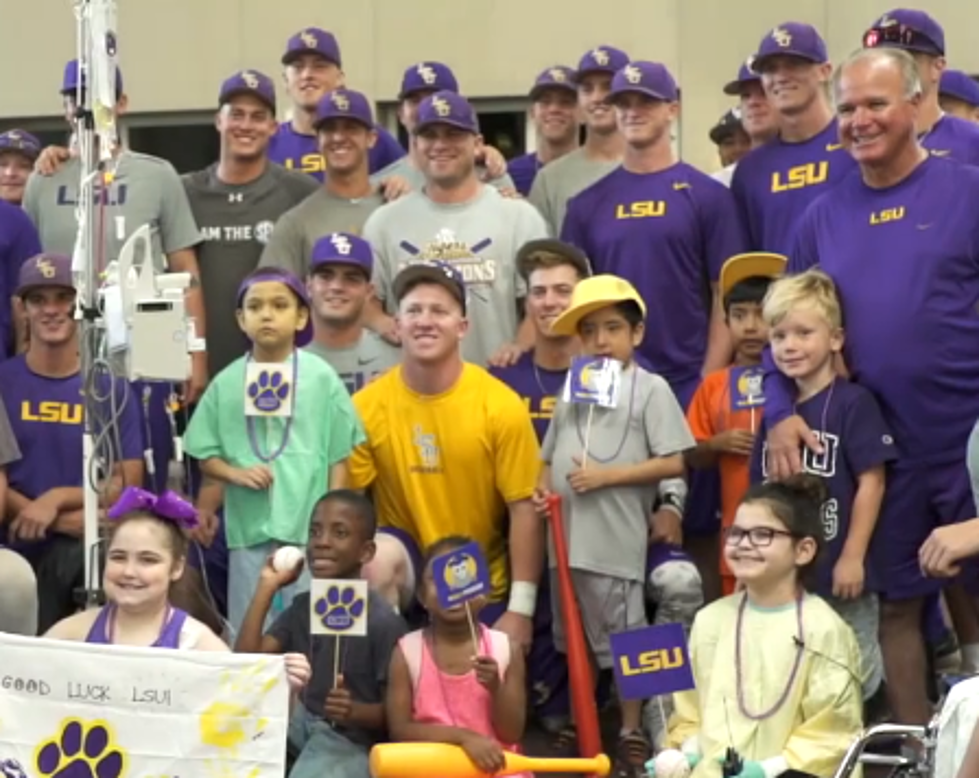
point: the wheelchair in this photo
(943, 740)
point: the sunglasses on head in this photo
(898, 35)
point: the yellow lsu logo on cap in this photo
(45, 268)
(341, 102)
(427, 74)
(782, 37)
(600, 56)
(250, 79)
(308, 39)
(632, 74)
(442, 108)
(557, 74)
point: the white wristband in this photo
(523, 598)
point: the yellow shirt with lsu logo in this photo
(447, 464)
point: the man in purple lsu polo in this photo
(313, 68)
(776, 182)
(901, 241)
(924, 39)
(42, 394)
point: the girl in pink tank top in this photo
(443, 689)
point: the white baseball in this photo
(671, 764)
(287, 558)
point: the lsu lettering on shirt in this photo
(538, 387)
(299, 152)
(668, 233)
(905, 260)
(775, 183)
(447, 464)
(955, 138)
(47, 416)
(855, 439)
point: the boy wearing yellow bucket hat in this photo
(605, 464)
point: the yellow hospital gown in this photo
(822, 713)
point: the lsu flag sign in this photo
(651, 661)
(460, 575)
(74, 709)
(747, 390)
(593, 381)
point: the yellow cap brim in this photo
(566, 325)
(756, 263)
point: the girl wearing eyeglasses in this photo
(777, 671)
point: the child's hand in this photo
(206, 529)
(737, 442)
(587, 479)
(258, 477)
(666, 526)
(339, 704)
(279, 578)
(541, 500)
(848, 578)
(487, 673)
(485, 753)
(298, 671)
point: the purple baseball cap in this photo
(440, 273)
(646, 78)
(248, 82)
(342, 248)
(264, 274)
(21, 142)
(602, 59)
(908, 29)
(554, 77)
(45, 270)
(448, 108)
(428, 77)
(954, 83)
(69, 84)
(746, 75)
(344, 104)
(313, 40)
(792, 39)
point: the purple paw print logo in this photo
(340, 608)
(268, 392)
(82, 749)
(10, 768)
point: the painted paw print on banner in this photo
(81, 749)
(10, 768)
(268, 391)
(232, 720)
(340, 608)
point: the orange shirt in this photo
(710, 413)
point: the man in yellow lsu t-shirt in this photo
(450, 450)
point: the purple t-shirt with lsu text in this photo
(523, 171)
(538, 387)
(955, 138)
(668, 233)
(296, 151)
(47, 418)
(18, 243)
(905, 260)
(855, 439)
(775, 183)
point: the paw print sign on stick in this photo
(338, 607)
(268, 389)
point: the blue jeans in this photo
(325, 753)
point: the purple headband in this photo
(305, 335)
(169, 506)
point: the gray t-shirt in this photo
(972, 461)
(607, 528)
(479, 237)
(361, 363)
(9, 450)
(322, 213)
(145, 190)
(364, 659)
(236, 221)
(403, 168)
(562, 179)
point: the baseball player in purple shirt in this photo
(958, 95)
(18, 241)
(42, 393)
(554, 113)
(776, 182)
(313, 67)
(901, 242)
(758, 119)
(924, 39)
(18, 150)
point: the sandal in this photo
(565, 743)
(632, 754)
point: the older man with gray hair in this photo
(901, 242)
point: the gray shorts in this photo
(607, 605)
(863, 616)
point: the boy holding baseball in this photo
(605, 463)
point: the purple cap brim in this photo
(303, 336)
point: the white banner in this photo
(71, 709)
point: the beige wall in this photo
(176, 52)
